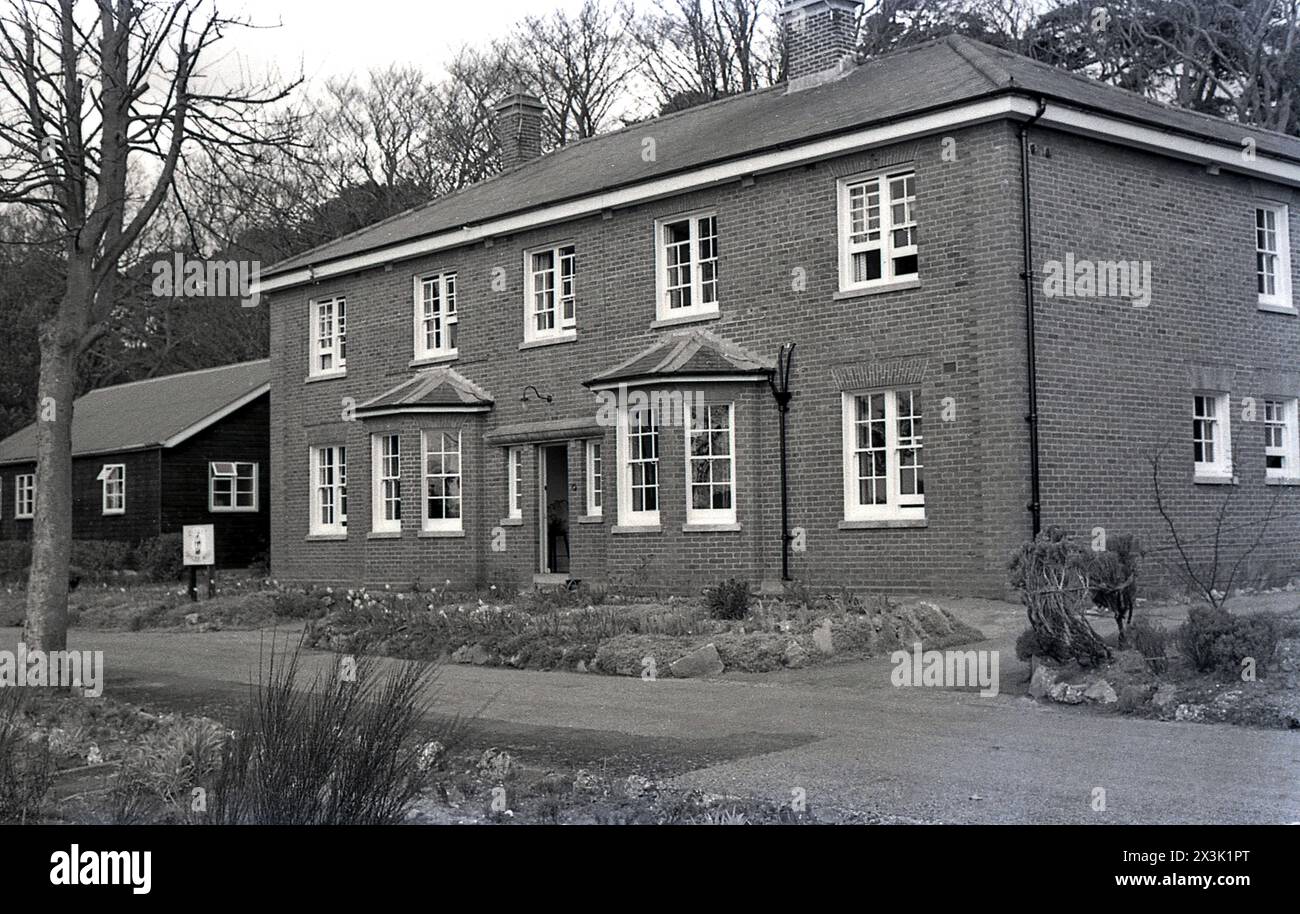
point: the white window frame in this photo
(595, 468)
(336, 488)
(562, 326)
(442, 524)
(627, 515)
(112, 489)
(25, 496)
(329, 342)
(885, 244)
(698, 307)
(442, 321)
(1280, 413)
(229, 469)
(1281, 295)
(514, 483)
(379, 501)
(1220, 440)
(897, 505)
(707, 516)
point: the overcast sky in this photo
(324, 38)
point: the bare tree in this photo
(90, 91)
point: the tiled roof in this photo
(159, 412)
(429, 390)
(686, 353)
(926, 77)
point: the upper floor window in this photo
(435, 315)
(329, 510)
(1211, 454)
(1281, 441)
(877, 230)
(1273, 255)
(688, 266)
(638, 496)
(595, 496)
(25, 496)
(112, 480)
(711, 465)
(442, 488)
(329, 335)
(232, 487)
(515, 483)
(883, 471)
(551, 293)
(386, 494)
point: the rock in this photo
(584, 780)
(795, 656)
(1189, 712)
(702, 661)
(192, 619)
(637, 786)
(1287, 655)
(1164, 696)
(1101, 692)
(580, 667)
(471, 653)
(1043, 680)
(822, 639)
(1066, 693)
(495, 764)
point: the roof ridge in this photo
(179, 374)
(971, 52)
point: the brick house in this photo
(152, 456)
(564, 371)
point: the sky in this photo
(319, 39)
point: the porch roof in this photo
(440, 389)
(694, 354)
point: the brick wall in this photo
(959, 335)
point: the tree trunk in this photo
(47, 583)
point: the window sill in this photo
(636, 528)
(570, 336)
(1216, 480)
(442, 534)
(233, 510)
(440, 359)
(710, 528)
(1282, 481)
(662, 322)
(327, 537)
(113, 514)
(591, 519)
(1275, 308)
(511, 522)
(884, 523)
(384, 535)
(881, 289)
(325, 376)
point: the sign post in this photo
(198, 547)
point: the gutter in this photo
(1031, 353)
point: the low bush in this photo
(728, 600)
(160, 558)
(26, 769)
(101, 558)
(1152, 643)
(15, 559)
(1213, 639)
(1028, 646)
(159, 781)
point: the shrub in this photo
(26, 771)
(1052, 573)
(99, 558)
(1027, 646)
(1152, 643)
(1214, 639)
(160, 558)
(728, 600)
(157, 779)
(294, 604)
(15, 559)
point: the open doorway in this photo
(553, 467)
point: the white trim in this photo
(234, 507)
(407, 410)
(626, 516)
(19, 513)
(448, 352)
(1281, 297)
(888, 253)
(1016, 107)
(1221, 466)
(185, 434)
(897, 506)
(710, 517)
(338, 488)
(698, 309)
(104, 479)
(652, 380)
(338, 338)
(563, 330)
(378, 523)
(514, 482)
(590, 508)
(442, 525)
(1290, 449)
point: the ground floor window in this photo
(386, 473)
(710, 465)
(515, 483)
(232, 487)
(25, 496)
(1280, 438)
(883, 469)
(112, 480)
(442, 481)
(639, 462)
(1211, 432)
(594, 495)
(330, 493)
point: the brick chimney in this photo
(821, 39)
(519, 128)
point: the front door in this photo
(553, 486)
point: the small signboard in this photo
(198, 545)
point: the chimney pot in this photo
(519, 128)
(821, 39)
